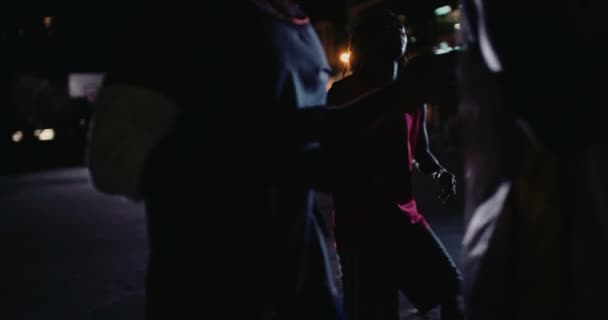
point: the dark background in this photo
(36, 62)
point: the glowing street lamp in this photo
(345, 57)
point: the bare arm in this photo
(428, 163)
(425, 160)
(426, 79)
(316, 123)
(280, 129)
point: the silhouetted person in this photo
(385, 245)
(214, 119)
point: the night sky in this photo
(82, 35)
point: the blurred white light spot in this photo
(345, 57)
(413, 39)
(84, 85)
(457, 26)
(443, 10)
(46, 134)
(443, 47)
(37, 132)
(17, 136)
(443, 51)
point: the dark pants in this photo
(261, 259)
(384, 260)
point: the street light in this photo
(345, 57)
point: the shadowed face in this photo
(380, 38)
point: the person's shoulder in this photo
(342, 84)
(338, 92)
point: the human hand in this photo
(447, 181)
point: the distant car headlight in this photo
(17, 136)
(45, 134)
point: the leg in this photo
(321, 300)
(370, 290)
(427, 274)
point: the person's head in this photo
(378, 38)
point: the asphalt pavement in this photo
(70, 252)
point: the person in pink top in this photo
(384, 243)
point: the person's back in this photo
(393, 135)
(371, 163)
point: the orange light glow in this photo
(345, 57)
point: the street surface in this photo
(69, 252)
